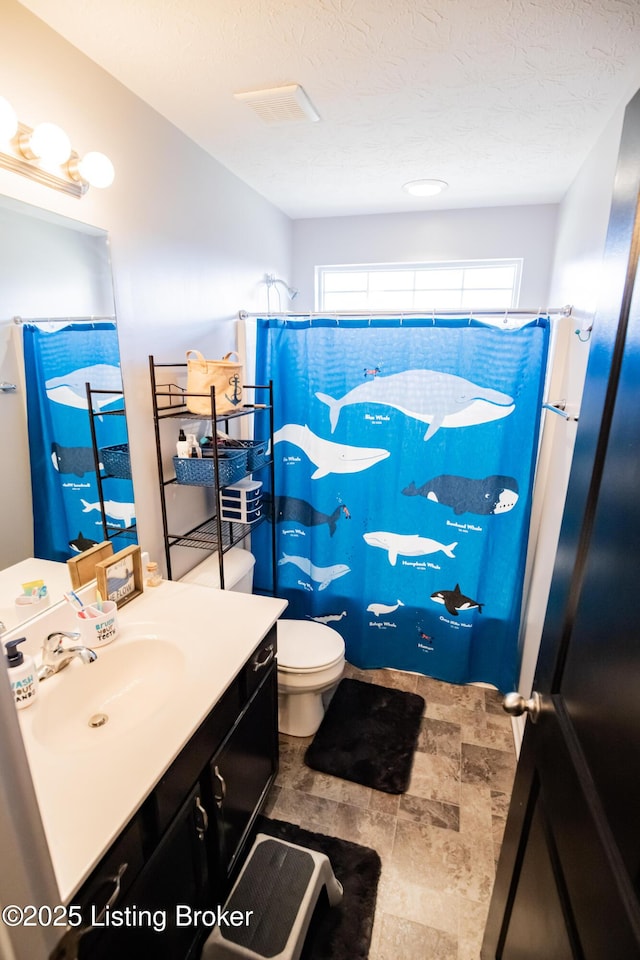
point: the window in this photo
(449, 285)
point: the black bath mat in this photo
(342, 932)
(368, 735)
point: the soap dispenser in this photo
(22, 674)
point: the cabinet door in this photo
(144, 923)
(242, 771)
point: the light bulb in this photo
(96, 169)
(425, 188)
(50, 144)
(8, 121)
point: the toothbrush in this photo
(75, 601)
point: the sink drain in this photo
(98, 720)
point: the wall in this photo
(190, 243)
(478, 234)
(581, 235)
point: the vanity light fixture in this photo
(44, 154)
(425, 188)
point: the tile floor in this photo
(440, 840)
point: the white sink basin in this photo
(88, 704)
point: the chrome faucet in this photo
(55, 657)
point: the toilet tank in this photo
(238, 571)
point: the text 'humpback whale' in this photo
(327, 456)
(439, 399)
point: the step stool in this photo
(280, 882)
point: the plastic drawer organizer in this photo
(242, 501)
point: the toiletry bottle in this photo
(153, 578)
(22, 674)
(195, 450)
(182, 447)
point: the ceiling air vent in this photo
(286, 104)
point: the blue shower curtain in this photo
(58, 361)
(404, 463)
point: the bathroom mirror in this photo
(50, 267)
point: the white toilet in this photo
(310, 654)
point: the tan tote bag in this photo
(225, 375)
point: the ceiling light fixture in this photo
(425, 188)
(44, 154)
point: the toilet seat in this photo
(306, 647)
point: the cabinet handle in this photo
(203, 825)
(116, 880)
(67, 948)
(261, 664)
(219, 796)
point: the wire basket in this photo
(116, 461)
(232, 466)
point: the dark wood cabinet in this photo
(182, 849)
(240, 774)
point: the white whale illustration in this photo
(329, 457)
(380, 608)
(407, 545)
(71, 391)
(114, 509)
(439, 399)
(330, 618)
(322, 575)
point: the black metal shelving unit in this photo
(109, 531)
(213, 533)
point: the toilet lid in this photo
(306, 645)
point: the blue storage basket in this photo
(116, 461)
(232, 466)
(257, 454)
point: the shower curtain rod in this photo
(20, 320)
(365, 314)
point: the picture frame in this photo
(119, 578)
(82, 568)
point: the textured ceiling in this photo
(501, 98)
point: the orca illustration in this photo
(76, 460)
(327, 456)
(454, 601)
(492, 495)
(439, 399)
(407, 545)
(322, 575)
(81, 543)
(291, 508)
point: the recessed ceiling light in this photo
(425, 188)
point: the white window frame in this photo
(410, 269)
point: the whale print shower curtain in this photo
(404, 462)
(59, 361)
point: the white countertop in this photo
(86, 796)
(55, 575)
